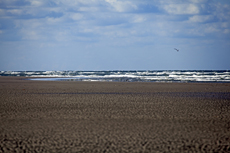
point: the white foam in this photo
(165, 76)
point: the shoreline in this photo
(205, 76)
(113, 116)
(76, 79)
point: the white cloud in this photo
(200, 18)
(52, 21)
(15, 11)
(88, 9)
(226, 31)
(225, 24)
(36, 2)
(32, 23)
(211, 28)
(122, 6)
(86, 19)
(76, 16)
(198, 1)
(30, 34)
(139, 18)
(181, 9)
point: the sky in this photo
(42, 35)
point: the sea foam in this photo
(127, 76)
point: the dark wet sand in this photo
(40, 116)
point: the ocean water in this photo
(219, 76)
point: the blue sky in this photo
(114, 34)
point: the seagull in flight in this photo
(176, 49)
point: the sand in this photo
(52, 116)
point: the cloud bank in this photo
(105, 24)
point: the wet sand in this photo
(51, 116)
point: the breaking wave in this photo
(126, 76)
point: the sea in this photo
(211, 76)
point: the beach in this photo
(78, 116)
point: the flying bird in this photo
(176, 49)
